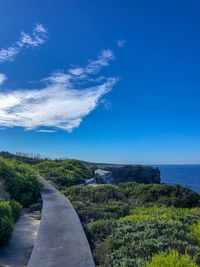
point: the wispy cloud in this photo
(94, 66)
(45, 131)
(106, 104)
(121, 42)
(2, 78)
(65, 99)
(38, 37)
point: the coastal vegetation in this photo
(61, 172)
(173, 258)
(140, 225)
(19, 187)
(9, 213)
(65, 172)
(70, 172)
(20, 181)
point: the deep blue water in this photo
(186, 175)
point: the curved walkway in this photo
(61, 240)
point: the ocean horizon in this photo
(186, 175)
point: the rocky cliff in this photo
(130, 173)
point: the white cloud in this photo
(61, 103)
(38, 37)
(45, 131)
(2, 78)
(94, 65)
(121, 42)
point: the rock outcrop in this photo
(128, 173)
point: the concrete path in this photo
(17, 251)
(61, 240)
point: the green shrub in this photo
(6, 222)
(157, 219)
(162, 194)
(134, 243)
(98, 231)
(195, 230)
(109, 210)
(20, 181)
(136, 194)
(97, 194)
(16, 209)
(184, 215)
(172, 259)
(65, 172)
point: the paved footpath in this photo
(17, 251)
(61, 240)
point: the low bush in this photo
(162, 194)
(16, 209)
(195, 230)
(109, 210)
(97, 194)
(20, 181)
(99, 230)
(127, 224)
(6, 222)
(65, 172)
(136, 194)
(134, 243)
(184, 215)
(172, 259)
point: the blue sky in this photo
(104, 81)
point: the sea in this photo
(185, 175)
